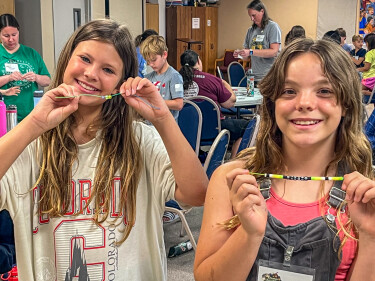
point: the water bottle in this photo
(250, 82)
(3, 117)
(11, 116)
(180, 249)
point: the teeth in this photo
(86, 86)
(305, 122)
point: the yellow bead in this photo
(108, 97)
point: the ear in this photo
(165, 54)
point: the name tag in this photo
(259, 38)
(273, 271)
(11, 67)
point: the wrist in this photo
(251, 53)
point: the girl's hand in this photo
(137, 91)
(29, 76)
(14, 91)
(247, 201)
(51, 111)
(15, 76)
(360, 195)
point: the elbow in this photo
(179, 104)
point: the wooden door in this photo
(7, 7)
(152, 16)
(197, 33)
(210, 39)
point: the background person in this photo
(20, 66)
(197, 82)
(343, 44)
(262, 42)
(155, 51)
(368, 70)
(142, 64)
(296, 31)
(358, 53)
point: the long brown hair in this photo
(352, 147)
(119, 151)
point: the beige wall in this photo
(234, 20)
(47, 34)
(128, 12)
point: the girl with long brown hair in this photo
(84, 182)
(301, 204)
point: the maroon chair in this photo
(224, 62)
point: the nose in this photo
(91, 72)
(306, 101)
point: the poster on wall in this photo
(366, 17)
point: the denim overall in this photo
(311, 244)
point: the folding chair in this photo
(211, 124)
(214, 159)
(235, 73)
(217, 152)
(190, 123)
(249, 136)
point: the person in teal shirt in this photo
(20, 66)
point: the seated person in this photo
(201, 83)
(7, 248)
(155, 52)
(343, 44)
(358, 53)
(368, 70)
(142, 65)
(332, 35)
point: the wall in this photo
(128, 12)
(125, 11)
(28, 15)
(347, 19)
(234, 20)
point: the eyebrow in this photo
(323, 81)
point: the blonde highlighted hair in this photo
(119, 153)
(152, 46)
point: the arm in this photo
(175, 104)
(360, 195)
(263, 53)
(230, 191)
(364, 68)
(14, 91)
(48, 113)
(191, 183)
(357, 61)
(232, 100)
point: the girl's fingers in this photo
(358, 188)
(245, 190)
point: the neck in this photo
(308, 161)
(85, 117)
(12, 51)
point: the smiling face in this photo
(94, 68)
(307, 111)
(256, 16)
(10, 38)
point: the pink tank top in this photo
(292, 213)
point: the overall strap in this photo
(336, 194)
